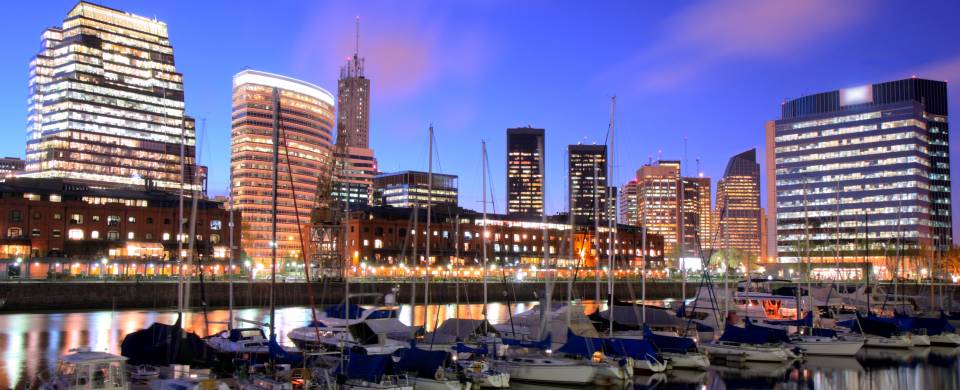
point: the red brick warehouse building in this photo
(53, 218)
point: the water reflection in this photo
(32, 343)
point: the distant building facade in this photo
(11, 166)
(525, 181)
(106, 104)
(697, 215)
(859, 169)
(306, 116)
(384, 236)
(738, 205)
(658, 202)
(628, 203)
(587, 175)
(57, 218)
(412, 188)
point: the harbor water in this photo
(31, 343)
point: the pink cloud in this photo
(406, 46)
(705, 35)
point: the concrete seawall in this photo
(69, 296)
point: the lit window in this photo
(130, 235)
(113, 235)
(14, 232)
(132, 219)
(95, 234)
(55, 198)
(75, 234)
(215, 224)
(76, 219)
(166, 236)
(56, 233)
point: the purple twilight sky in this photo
(711, 72)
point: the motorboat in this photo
(823, 343)
(372, 335)
(482, 374)
(92, 370)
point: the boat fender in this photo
(439, 374)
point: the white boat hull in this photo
(887, 342)
(951, 339)
(747, 352)
(442, 384)
(920, 340)
(827, 346)
(686, 361)
(572, 374)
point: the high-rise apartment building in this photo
(628, 203)
(356, 163)
(106, 104)
(738, 205)
(587, 175)
(11, 166)
(860, 169)
(524, 179)
(306, 114)
(658, 202)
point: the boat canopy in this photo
(163, 344)
(752, 334)
(420, 361)
(580, 345)
(632, 348)
(542, 344)
(669, 343)
(365, 367)
(461, 348)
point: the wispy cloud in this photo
(703, 36)
(408, 48)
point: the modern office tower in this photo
(11, 166)
(306, 136)
(628, 203)
(106, 104)
(738, 205)
(587, 175)
(613, 197)
(524, 179)
(860, 169)
(411, 188)
(696, 215)
(356, 164)
(658, 202)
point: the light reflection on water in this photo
(32, 343)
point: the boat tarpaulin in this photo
(580, 345)
(632, 348)
(665, 343)
(422, 362)
(369, 368)
(542, 344)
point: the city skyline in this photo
(403, 104)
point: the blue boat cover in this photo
(420, 361)
(774, 335)
(632, 348)
(669, 343)
(822, 332)
(871, 325)
(934, 326)
(461, 348)
(742, 335)
(280, 355)
(580, 345)
(542, 344)
(682, 310)
(903, 324)
(369, 368)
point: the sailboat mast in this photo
(611, 256)
(273, 219)
(683, 229)
(545, 262)
(230, 269)
(183, 137)
(483, 170)
(596, 233)
(426, 278)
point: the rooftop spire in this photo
(356, 50)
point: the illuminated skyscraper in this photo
(306, 115)
(587, 175)
(628, 203)
(658, 202)
(524, 178)
(738, 205)
(861, 172)
(357, 164)
(107, 104)
(697, 215)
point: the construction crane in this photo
(328, 236)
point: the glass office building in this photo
(738, 206)
(524, 179)
(587, 175)
(861, 173)
(107, 104)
